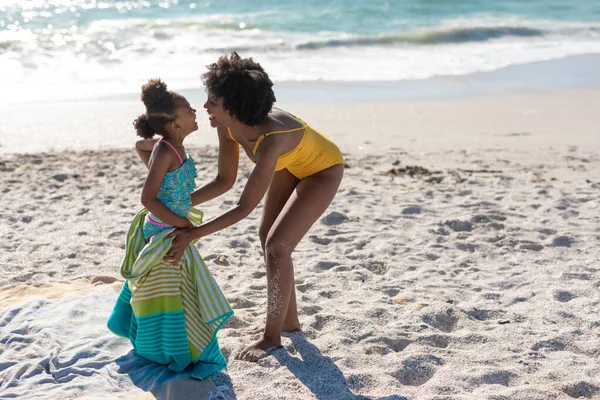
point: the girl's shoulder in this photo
(167, 156)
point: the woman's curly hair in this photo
(244, 86)
(161, 105)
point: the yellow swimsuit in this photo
(314, 153)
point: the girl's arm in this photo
(229, 154)
(144, 149)
(159, 165)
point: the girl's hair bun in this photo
(142, 127)
(153, 92)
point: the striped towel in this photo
(170, 313)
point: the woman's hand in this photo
(181, 239)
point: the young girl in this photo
(171, 311)
(301, 169)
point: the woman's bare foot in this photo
(258, 350)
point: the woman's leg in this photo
(281, 188)
(306, 204)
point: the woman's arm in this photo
(229, 155)
(255, 189)
(144, 149)
(159, 165)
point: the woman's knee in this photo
(277, 249)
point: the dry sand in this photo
(458, 261)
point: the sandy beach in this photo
(459, 259)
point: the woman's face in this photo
(186, 117)
(217, 115)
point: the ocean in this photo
(76, 49)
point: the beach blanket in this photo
(54, 345)
(171, 314)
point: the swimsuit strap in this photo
(176, 152)
(261, 137)
(231, 135)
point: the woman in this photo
(299, 169)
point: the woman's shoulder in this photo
(283, 120)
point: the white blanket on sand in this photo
(54, 344)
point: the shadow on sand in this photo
(318, 372)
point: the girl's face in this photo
(217, 115)
(185, 117)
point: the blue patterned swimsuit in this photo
(175, 193)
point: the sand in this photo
(459, 259)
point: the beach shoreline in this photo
(564, 73)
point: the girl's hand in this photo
(181, 239)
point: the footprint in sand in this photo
(376, 267)
(550, 345)
(304, 287)
(438, 341)
(481, 219)
(376, 349)
(483, 315)
(582, 277)
(60, 177)
(241, 302)
(334, 218)
(396, 345)
(444, 320)
(362, 381)
(310, 310)
(562, 241)
(580, 389)
(329, 294)
(504, 378)
(326, 265)
(320, 322)
(531, 246)
(563, 296)
(468, 247)
(392, 292)
(235, 244)
(416, 370)
(412, 210)
(459, 226)
(318, 240)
